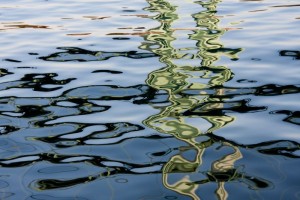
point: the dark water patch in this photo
(12, 60)
(256, 59)
(163, 153)
(292, 117)
(127, 10)
(290, 53)
(4, 72)
(220, 108)
(93, 135)
(107, 71)
(7, 129)
(283, 148)
(246, 81)
(109, 166)
(26, 67)
(229, 92)
(32, 111)
(49, 184)
(37, 82)
(37, 111)
(85, 132)
(233, 175)
(82, 55)
(290, 5)
(261, 10)
(121, 38)
(141, 27)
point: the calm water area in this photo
(149, 99)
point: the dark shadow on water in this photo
(83, 55)
(290, 53)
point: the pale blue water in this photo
(151, 99)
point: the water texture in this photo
(152, 99)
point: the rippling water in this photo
(153, 99)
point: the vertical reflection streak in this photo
(175, 78)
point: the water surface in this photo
(151, 99)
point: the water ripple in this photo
(196, 98)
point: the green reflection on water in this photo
(176, 78)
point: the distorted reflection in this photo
(178, 79)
